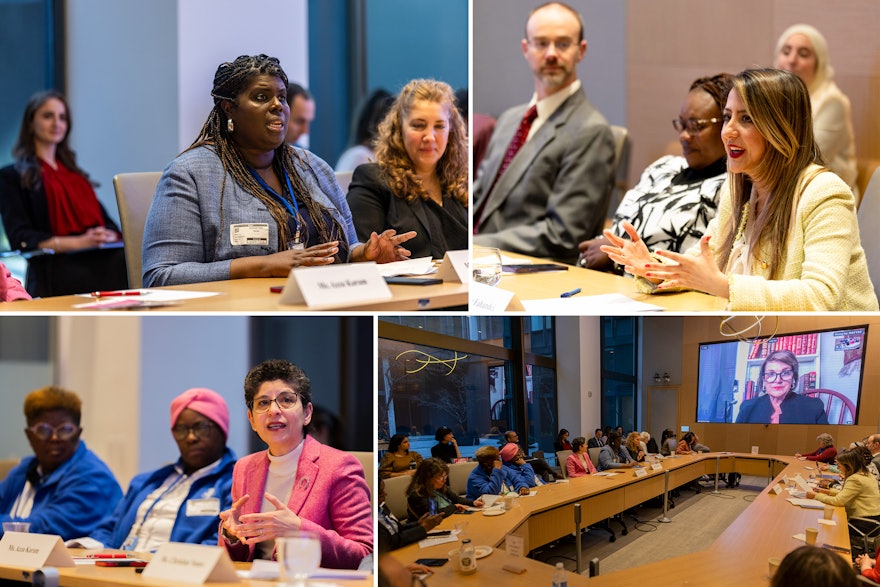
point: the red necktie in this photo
(516, 143)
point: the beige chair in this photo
(368, 462)
(7, 465)
(458, 476)
(869, 212)
(343, 178)
(134, 193)
(395, 495)
(622, 147)
(561, 458)
(593, 452)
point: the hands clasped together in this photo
(257, 527)
(699, 272)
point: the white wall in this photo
(578, 374)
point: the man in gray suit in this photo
(554, 191)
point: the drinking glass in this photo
(486, 265)
(299, 554)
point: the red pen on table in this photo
(107, 555)
(108, 294)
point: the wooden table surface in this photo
(738, 557)
(536, 286)
(253, 296)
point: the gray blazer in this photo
(555, 192)
(186, 236)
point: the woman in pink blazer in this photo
(11, 288)
(578, 462)
(298, 484)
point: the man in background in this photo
(547, 175)
(302, 113)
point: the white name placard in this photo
(485, 299)
(191, 563)
(455, 267)
(514, 545)
(754, 450)
(777, 489)
(20, 549)
(640, 472)
(334, 285)
(656, 466)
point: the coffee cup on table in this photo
(811, 534)
(829, 512)
(773, 563)
(509, 501)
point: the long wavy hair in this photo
(779, 105)
(422, 483)
(230, 80)
(27, 164)
(391, 155)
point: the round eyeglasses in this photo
(693, 125)
(199, 430)
(785, 375)
(45, 431)
(284, 401)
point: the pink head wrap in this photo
(509, 452)
(208, 403)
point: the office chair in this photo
(868, 212)
(866, 535)
(561, 457)
(395, 489)
(134, 193)
(343, 178)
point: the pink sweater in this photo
(329, 494)
(11, 288)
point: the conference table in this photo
(550, 284)
(253, 295)
(739, 556)
(90, 576)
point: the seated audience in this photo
(490, 477)
(786, 237)
(48, 202)
(364, 131)
(650, 444)
(781, 404)
(677, 196)
(614, 455)
(634, 446)
(561, 443)
(867, 566)
(698, 446)
(11, 289)
(825, 453)
(597, 440)
(812, 566)
(668, 443)
(429, 485)
(64, 489)
(302, 113)
(686, 444)
(514, 460)
(541, 467)
(578, 462)
(240, 202)
(420, 179)
(321, 489)
(398, 460)
(179, 502)
(859, 494)
(446, 448)
(393, 533)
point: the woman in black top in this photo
(429, 485)
(446, 448)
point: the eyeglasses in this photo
(45, 431)
(693, 125)
(543, 45)
(284, 401)
(199, 430)
(771, 376)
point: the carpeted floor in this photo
(695, 521)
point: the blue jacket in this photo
(607, 458)
(115, 527)
(524, 474)
(479, 482)
(72, 499)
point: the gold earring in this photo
(230, 126)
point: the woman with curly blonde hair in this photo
(419, 180)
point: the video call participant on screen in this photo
(552, 192)
(64, 488)
(781, 404)
(179, 502)
(240, 202)
(323, 488)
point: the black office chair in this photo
(864, 535)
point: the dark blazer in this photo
(418, 506)
(796, 409)
(405, 533)
(374, 207)
(555, 192)
(594, 442)
(25, 216)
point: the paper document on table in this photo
(603, 304)
(141, 298)
(420, 266)
(270, 570)
(438, 540)
(801, 483)
(812, 504)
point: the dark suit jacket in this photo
(406, 533)
(374, 207)
(796, 409)
(556, 190)
(594, 443)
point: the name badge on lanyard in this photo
(292, 207)
(209, 506)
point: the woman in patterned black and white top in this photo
(676, 196)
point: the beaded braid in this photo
(229, 81)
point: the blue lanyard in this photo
(134, 535)
(293, 210)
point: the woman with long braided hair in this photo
(240, 202)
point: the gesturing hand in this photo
(254, 528)
(386, 247)
(229, 518)
(699, 272)
(632, 253)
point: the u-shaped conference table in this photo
(737, 557)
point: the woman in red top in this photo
(826, 453)
(47, 202)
